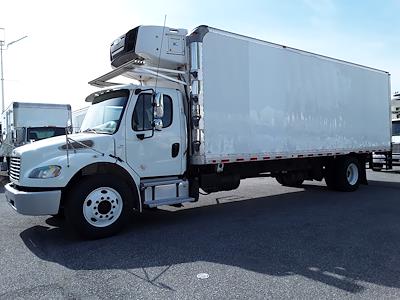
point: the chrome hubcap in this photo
(102, 207)
(352, 174)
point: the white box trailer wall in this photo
(41, 115)
(262, 100)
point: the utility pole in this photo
(4, 46)
(2, 42)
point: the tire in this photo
(330, 180)
(344, 174)
(329, 176)
(290, 179)
(98, 206)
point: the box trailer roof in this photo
(199, 32)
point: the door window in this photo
(143, 113)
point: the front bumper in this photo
(33, 203)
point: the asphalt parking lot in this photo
(260, 241)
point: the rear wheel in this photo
(98, 207)
(343, 174)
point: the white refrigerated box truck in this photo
(208, 109)
(26, 122)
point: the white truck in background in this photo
(210, 108)
(77, 118)
(26, 122)
(396, 129)
(386, 160)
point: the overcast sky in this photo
(68, 41)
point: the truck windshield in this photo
(40, 133)
(396, 128)
(105, 113)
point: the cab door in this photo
(152, 153)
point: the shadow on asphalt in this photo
(339, 239)
(385, 184)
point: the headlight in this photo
(45, 172)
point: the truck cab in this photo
(131, 151)
(151, 144)
(133, 142)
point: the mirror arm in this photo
(141, 136)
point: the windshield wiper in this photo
(90, 130)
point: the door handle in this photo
(175, 150)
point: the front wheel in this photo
(98, 206)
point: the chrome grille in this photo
(15, 167)
(396, 148)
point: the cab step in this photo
(171, 201)
(165, 191)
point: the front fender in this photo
(69, 167)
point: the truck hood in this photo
(50, 147)
(53, 151)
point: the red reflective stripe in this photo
(266, 157)
(214, 161)
(240, 159)
(225, 160)
(253, 158)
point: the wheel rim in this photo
(102, 207)
(352, 174)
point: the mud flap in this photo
(363, 174)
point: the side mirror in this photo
(158, 106)
(158, 124)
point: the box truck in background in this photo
(77, 118)
(386, 160)
(210, 108)
(25, 122)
